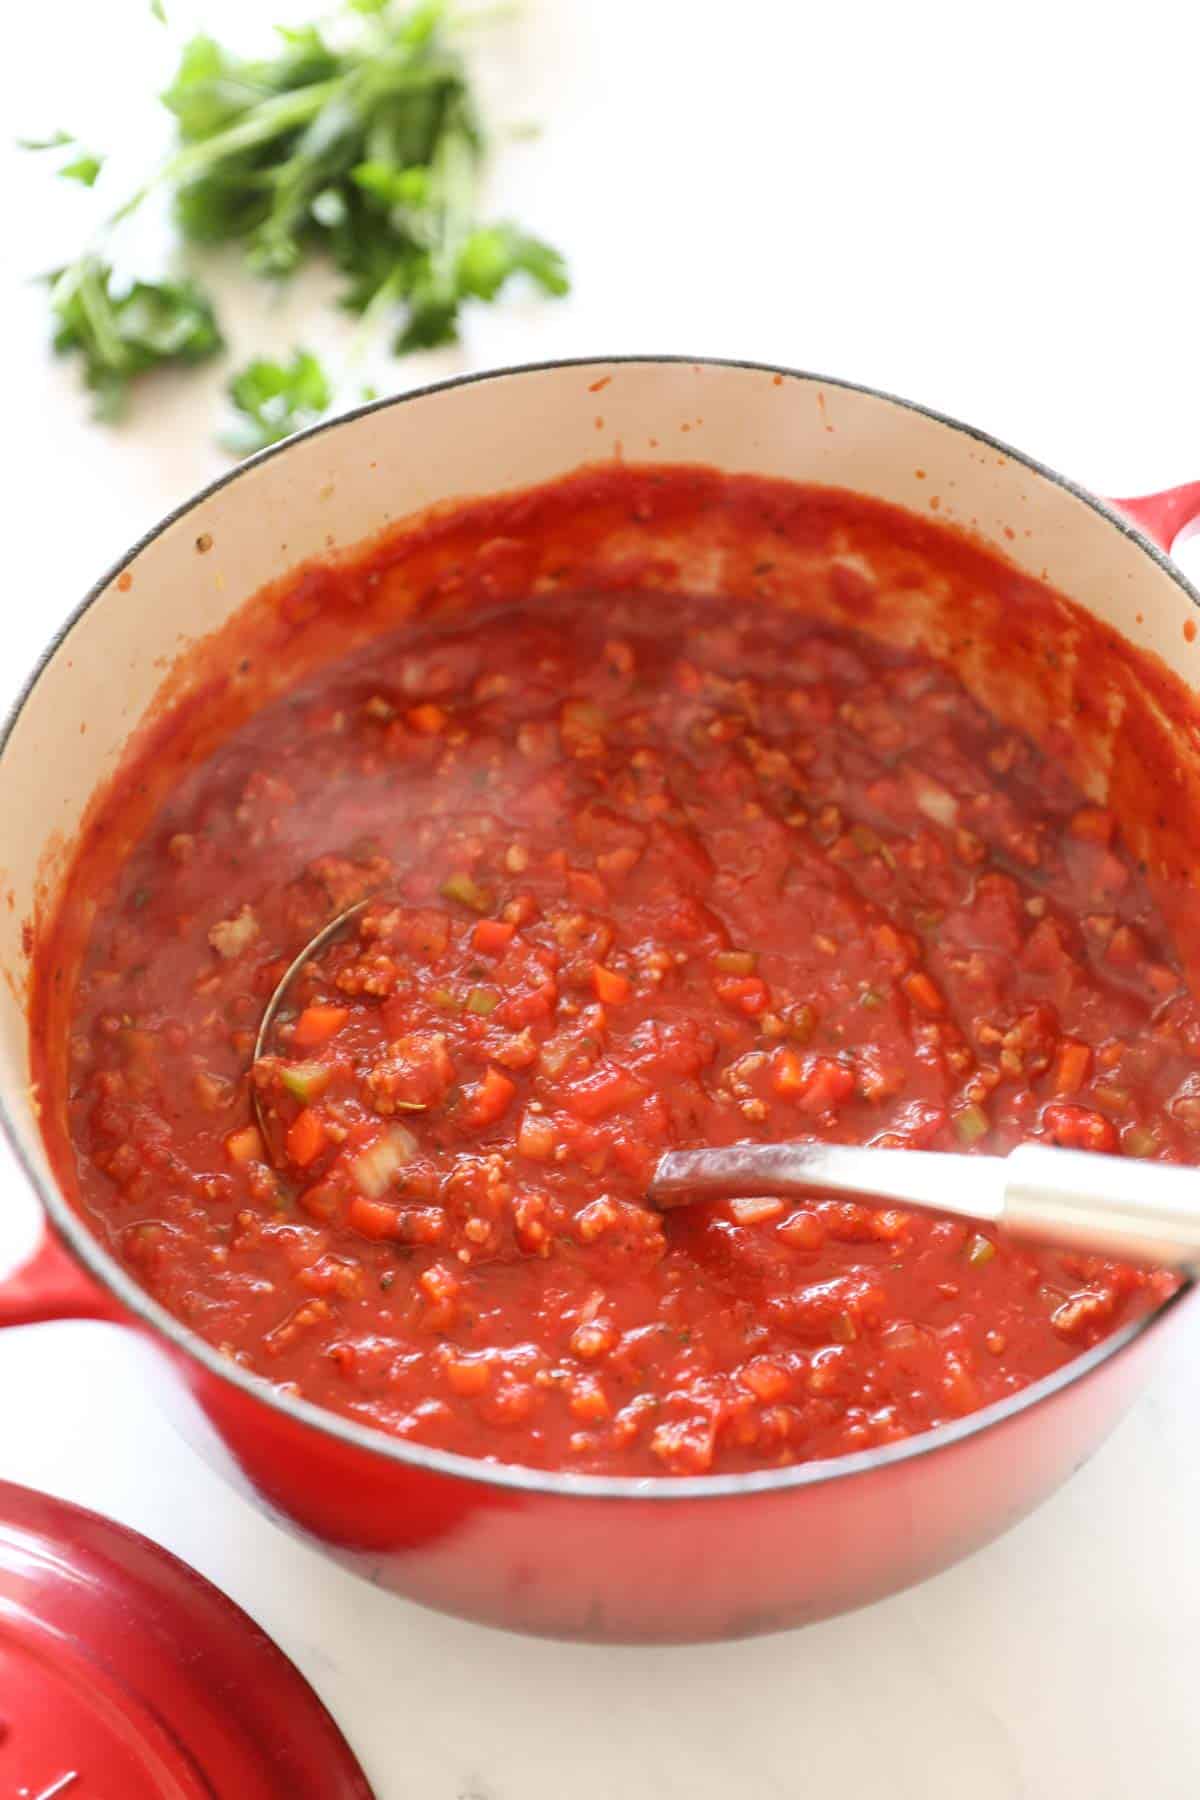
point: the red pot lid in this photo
(124, 1675)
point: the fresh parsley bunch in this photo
(363, 146)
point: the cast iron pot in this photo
(584, 1557)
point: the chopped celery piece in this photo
(735, 962)
(305, 1080)
(801, 1022)
(464, 888)
(971, 1124)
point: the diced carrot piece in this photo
(428, 718)
(317, 1024)
(1094, 824)
(618, 862)
(373, 1218)
(922, 992)
(468, 1374)
(789, 1073)
(244, 1146)
(828, 1085)
(491, 937)
(611, 987)
(586, 887)
(1071, 1067)
(491, 1098)
(306, 1137)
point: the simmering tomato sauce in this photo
(639, 869)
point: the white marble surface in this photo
(989, 209)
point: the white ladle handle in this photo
(1113, 1206)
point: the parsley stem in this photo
(282, 112)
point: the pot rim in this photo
(516, 1476)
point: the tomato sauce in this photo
(637, 871)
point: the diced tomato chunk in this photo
(605, 1091)
(321, 1200)
(492, 936)
(922, 992)
(491, 1099)
(373, 1218)
(1079, 1128)
(428, 719)
(1093, 824)
(744, 993)
(611, 987)
(829, 1083)
(1071, 1067)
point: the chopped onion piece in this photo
(935, 801)
(372, 1171)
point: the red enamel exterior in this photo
(1167, 518)
(749, 1556)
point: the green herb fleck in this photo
(84, 165)
(274, 400)
(54, 140)
(980, 1251)
(466, 890)
(971, 1123)
(121, 330)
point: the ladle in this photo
(1114, 1206)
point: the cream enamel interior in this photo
(345, 482)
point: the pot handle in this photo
(1165, 518)
(52, 1285)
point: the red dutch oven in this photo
(585, 1557)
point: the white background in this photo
(992, 209)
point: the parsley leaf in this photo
(121, 329)
(54, 140)
(275, 399)
(83, 167)
(493, 253)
